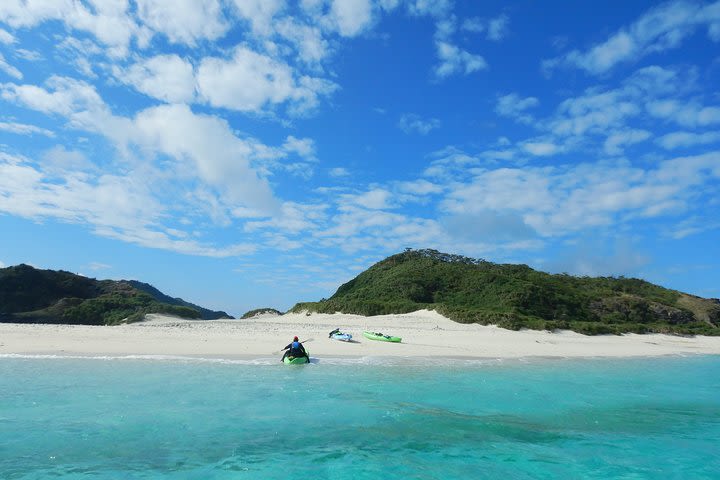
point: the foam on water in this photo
(197, 418)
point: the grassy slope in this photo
(30, 295)
(516, 296)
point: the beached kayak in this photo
(343, 337)
(297, 360)
(338, 335)
(381, 337)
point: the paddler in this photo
(295, 349)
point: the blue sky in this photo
(253, 153)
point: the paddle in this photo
(304, 341)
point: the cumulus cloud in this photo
(454, 60)
(540, 148)
(9, 69)
(374, 199)
(434, 8)
(661, 28)
(169, 78)
(176, 145)
(338, 172)
(411, 123)
(569, 198)
(250, 81)
(498, 27)
(259, 13)
(184, 21)
(513, 106)
(675, 140)
(6, 37)
(24, 129)
(351, 17)
(689, 114)
(617, 141)
(308, 40)
(419, 187)
(109, 22)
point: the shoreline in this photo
(425, 334)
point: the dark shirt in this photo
(298, 351)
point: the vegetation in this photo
(261, 311)
(516, 296)
(29, 295)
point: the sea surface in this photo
(174, 418)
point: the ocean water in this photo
(177, 418)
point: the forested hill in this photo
(30, 295)
(516, 296)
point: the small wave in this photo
(159, 358)
(315, 361)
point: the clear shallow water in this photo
(175, 419)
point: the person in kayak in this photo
(295, 349)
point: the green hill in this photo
(205, 314)
(30, 295)
(516, 296)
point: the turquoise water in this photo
(353, 419)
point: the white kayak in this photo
(338, 335)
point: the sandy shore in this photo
(424, 333)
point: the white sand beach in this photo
(424, 333)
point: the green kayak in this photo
(297, 360)
(381, 337)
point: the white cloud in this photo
(251, 82)
(568, 198)
(217, 156)
(540, 149)
(165, 77)
(304, 147)
(64, 96)
(6, 37)
(675, 140)
(454, 60)
(292, 218)
(58, 161)
(449, 163)
(660, 28)
(95, 266)
(375, 199)
(308, 40)
(497, 28)
(419, 187)
(594, 112)
(693, 226)
(24, 129)
(9, 69)
(411, 123)
(184, 21)
(259, 13)
(338, 172)
(685, 113)
(514, 107)
(29, 55)
(473, 25)
(177, 145)
(108, 21)
(615, 142)
(351, 17)
(434, 8)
